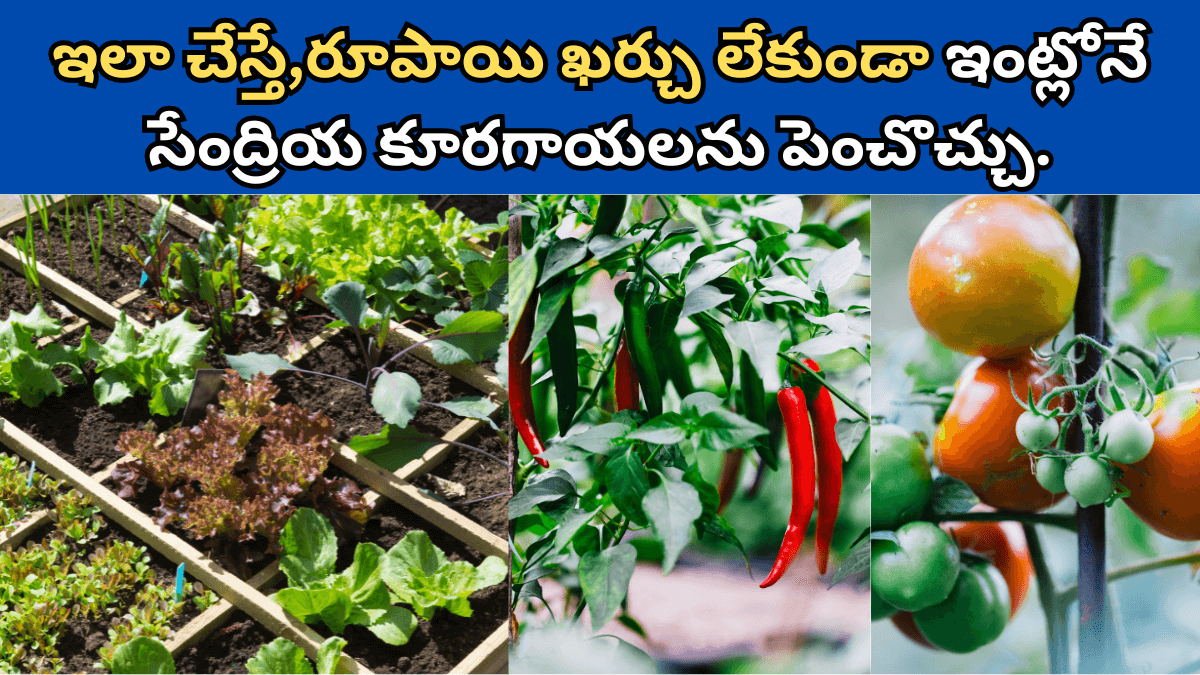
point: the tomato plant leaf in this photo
(396, 398)
(543, 487)
(950, 495)
(627, 484)
(1146, 275)
(672, 507)
(1178, 314)
(605, 576)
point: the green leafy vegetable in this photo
(143, 655)
(282, 656)
(26, 372)
(162, 363)
(420, 575)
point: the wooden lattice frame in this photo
(489, 657)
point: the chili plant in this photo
(648, 404)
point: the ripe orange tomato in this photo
(994, 275)
(976, 439)
(1165, 493)
(1003, 544)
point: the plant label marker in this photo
(179, 582)
(32, 467)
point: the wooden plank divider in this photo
(20, 533)
(489, 657)
(68, 290)
(264, 610)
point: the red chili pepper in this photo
(731, 469)
(800, 448)
(520, 382)
(829, 469)
(625, 379)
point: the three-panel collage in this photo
(599, 434)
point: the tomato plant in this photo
(977, 438)
(1095, 414)
(994, 275)
(916, 567)
(669, 350)
(900, 478)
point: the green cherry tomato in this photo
(880, 609)
(1035, 432)
(1088, 481)
(974, 614)
(919, 571)
(1126, 436)
(900, 478)
(1050, 474)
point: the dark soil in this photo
(482, 477)
(85, 636)
(14, 297)
(227, 649)
(349, 406)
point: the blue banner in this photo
(437, 98)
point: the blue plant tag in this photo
(179, 583)
(32, 466)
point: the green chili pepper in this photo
(608, 214)
(639, 346)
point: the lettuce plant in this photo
(26, 372)
(414, 571)
(242, 472)
(283, 656)
(354, 596)
(418, 574)
(161, 364)
(340, 237)
(141, 655)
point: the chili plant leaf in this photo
(563, 255)
(543, 487)
(396, 398)
(282, 656)
(394, 446)
(569, 524)
(603, 245)
(551, 302)
(705, 271)
(836, 269)
(857, 562)
(666, 429)
(627, 484)
(144, 655)
(789, 286)
(605, 576)
(600, 439)
(702, 299)
(672, 507)
(717, 344)
(850, 434)
(250, 364)
(824, 233)
(761, 339)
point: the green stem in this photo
(608, 365)
(1071, 593)
(1056, 620)
(825, 383)
(1064, 520)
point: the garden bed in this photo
(81, 437)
